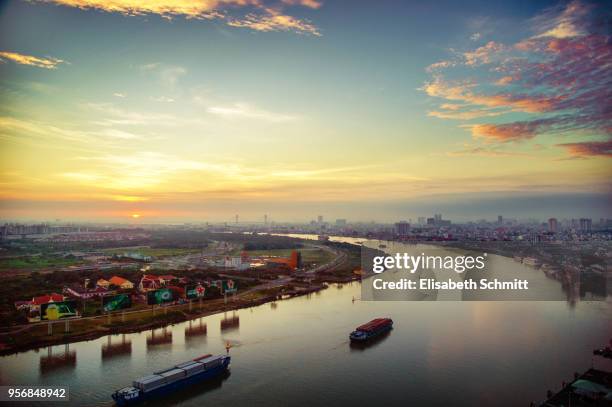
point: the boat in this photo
(372, 329)
(166, 381)
(382, 246)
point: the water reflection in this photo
(198, 329)
(230, 323)
(51, 362)
(361, 346)
(191, 392)
(110, 349)
(159, 338)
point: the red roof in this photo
(168, 277)
(116, 280)
(375, 323)
(44, 299)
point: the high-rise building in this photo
(341, 222)
(437, 218)
(402, 228)
(500, 220)
(421, 220)
(586, 224)
(320, 219)
(552, 225)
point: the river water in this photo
(296, 352)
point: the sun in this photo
(135, 215)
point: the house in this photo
(166, 279)
(44, 299)
(121, 282)
(150, 282)
(103, 283)
(84, 294)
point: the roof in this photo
(168, 277)
(150, 277)
(116, 280)
(44, 299)
(101, 281)
(373, 324)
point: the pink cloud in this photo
(557, 80)
(589, 148)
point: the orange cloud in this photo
(267, 18)
(273, 20)
(47, 63)
(505, 132)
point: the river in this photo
(296, 352)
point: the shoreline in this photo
(173, 317)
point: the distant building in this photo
(293, 262)
(422, 220)
(552, 225)
(237, 263)
(586, 224)
(500, 220)
(341, 222)
(320, 219)
(402, 229)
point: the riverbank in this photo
(36, 336)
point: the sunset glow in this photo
(277, 111)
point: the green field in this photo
(36, 263)
(152, 251)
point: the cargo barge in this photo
(372, 329)
(174, 378)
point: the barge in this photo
(372, 329)
(172, 379)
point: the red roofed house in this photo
(121, 283)
(44, 299)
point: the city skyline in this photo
(198, 111)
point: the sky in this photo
(367, 110)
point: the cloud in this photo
(306, 3)
(588, 148)
(274, 20)
(115, 115)
(47, 63)
(259, 15)
(162, 99)
(555, 81)
(485, 152)
(505, 132)
(119, 95)
(484, 54)
(475, 36)
(242, 110)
